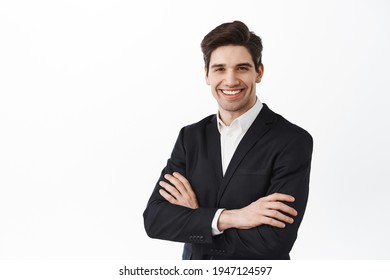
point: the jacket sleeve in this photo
(290, 175)
(164, 220)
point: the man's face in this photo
(232, 77)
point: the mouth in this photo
(231, 92)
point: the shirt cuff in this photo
(214, 224)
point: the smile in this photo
(231, 92)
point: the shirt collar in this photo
(245, 120)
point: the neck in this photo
(227, 117)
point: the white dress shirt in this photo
(230, 138)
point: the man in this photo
(236, 185)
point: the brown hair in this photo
(234, 33)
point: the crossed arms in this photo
(268, 210)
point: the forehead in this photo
(230, 55)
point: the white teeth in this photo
(231, 92)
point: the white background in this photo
(94, 93)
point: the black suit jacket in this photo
(273, 156)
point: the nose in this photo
(231, 79)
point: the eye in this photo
(219, 69)
(242, 68)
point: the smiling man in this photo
(237, 182)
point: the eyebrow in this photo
(246, 64)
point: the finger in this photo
(278, 197)
(167, 196)
(272, 222)
(280, 206)
(278, 216)
(184, 181)
(176, 182)
(172, 190)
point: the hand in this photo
(179, 192)
(268, 210)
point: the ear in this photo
(206, 76)
(260, 73)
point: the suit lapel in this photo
(214, 148)
(259, 127)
